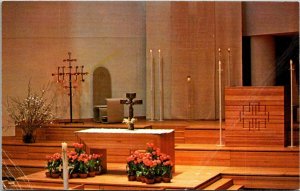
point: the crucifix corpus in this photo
(129, 101)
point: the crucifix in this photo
(129, 101)
(61, 77)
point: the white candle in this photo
(152, 87)
(160, 67)
(64, 146)
(291, 83)
(220, 103)
(65, 165)
(228, 68)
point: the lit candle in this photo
(64, 146)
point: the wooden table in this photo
(119, 143)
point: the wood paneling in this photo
(282, 17)
(254, 116)
(120, 145)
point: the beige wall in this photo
(260, 18)
(38, 35)
(189, 34)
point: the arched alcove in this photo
(101, 86)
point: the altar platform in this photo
(186, 177)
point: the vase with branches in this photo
(30, 113)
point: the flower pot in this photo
(28, 138)
(92, 174)
(131, 178)
(166, 179)
(74, 175)
(83, 175)
(143, 179)
(158, 179)
(139, 178)
(55, 175)
(149, 180)
(98, 170)
(48, 174)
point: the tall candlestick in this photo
(160, 72)
(228, 69)
(65, 165)
(292, 122)
(152, 82)
(220, 103)
(188, 79)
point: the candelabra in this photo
(61, 74)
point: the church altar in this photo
(119, 143)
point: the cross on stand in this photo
(129, 101)
(70, 74)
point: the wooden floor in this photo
(185, 177)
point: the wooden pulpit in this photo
(254, 116)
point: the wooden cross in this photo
(129, 101)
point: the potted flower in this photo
(91, 166)
(78, 148)
(98, 163)
(83, 165)
(73, 164)
(131, 167)
(31, 113)
(129, 122)
(53, 165)
(166, 168)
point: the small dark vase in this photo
(28, 138)
(83, 175)
(149, 180)
(131, 126)
(131, 178)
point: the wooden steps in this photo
(235, 187)
(221, 184)
(213, 155)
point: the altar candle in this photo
(291, 83)
(160, 67)
(152, 86)
(64, 146)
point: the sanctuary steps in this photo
(194, 145)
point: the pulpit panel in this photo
(254, 116)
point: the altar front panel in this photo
(254, 116)
(121, 142)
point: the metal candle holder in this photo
(61, 77)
